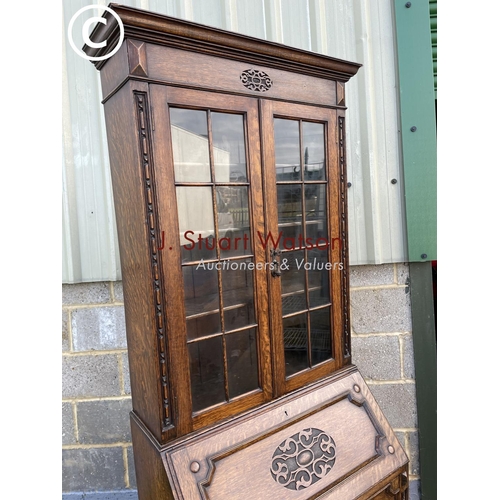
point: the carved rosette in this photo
(303, 459)
(256, 80)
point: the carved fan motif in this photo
(303, 459)
(256, 80)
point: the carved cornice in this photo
(164, 30)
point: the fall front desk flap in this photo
(330, 440)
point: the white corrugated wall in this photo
(359, 30)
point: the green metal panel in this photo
(418, 126)
(424, 346)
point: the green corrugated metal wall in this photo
(418, 127)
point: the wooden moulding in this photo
(332, 431)
(187, 69)
(164, 30)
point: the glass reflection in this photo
(316, 228)
(200, 326)
(234, 220)
(207, 373)
(321, 338)
(196, 222)
(190, 145)
(237, 289)
(318, 277)
(290, 211)
(201, 292)
(314, 151)
(229, 147)
(241, 354)
(287, 150)
(295, 338)
(293, 282)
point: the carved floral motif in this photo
(256, 80)
(303, 459)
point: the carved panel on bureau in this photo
(327, 440)
(303, 459)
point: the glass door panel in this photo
(219, 215)
(297, 182)
(190, 145)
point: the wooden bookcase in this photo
(229, 178)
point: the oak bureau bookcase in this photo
(228, 165)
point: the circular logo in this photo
(86, 32)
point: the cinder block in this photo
(126, 373)
(102, 495)
(118, 291)
(414, 453)
(90, 376)
(68, 424)
(131, 467)
(402, 273)
(408, 357)
(380, 310)
(65, 332)
(93, 469)
(104, 421)
(401, 438)
(98, 328)
(377, 357)
(86, 293)
(397, 402)
(371, 275)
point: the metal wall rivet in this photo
(356, 388)
(390, 449)
(408, 5)
(194, 467)
(413, 129)
(424, 256)
(349, 184)
(394, 181)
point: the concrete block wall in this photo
(97, 451)
(382, 349)
(97, 448)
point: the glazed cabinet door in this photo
(303, 238)
(207, 153)
(255, 253)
